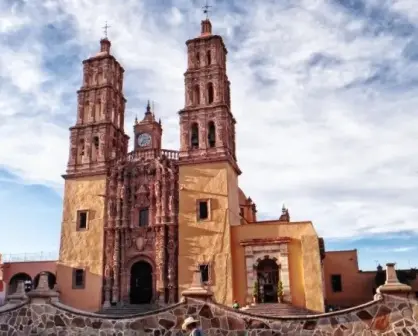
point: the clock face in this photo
(144, 139)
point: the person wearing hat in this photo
(190, 325)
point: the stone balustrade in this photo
(392, 312)
(152, 154)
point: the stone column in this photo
(172, 263)
(116, 268)
(164, 195)
(108, 255)
(251, 273)
(157, 193)
(392, 285)
(284, 272)
(202, 135)
(159, 263)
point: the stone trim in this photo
(263, 241)
(258, 251)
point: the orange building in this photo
(346, 285)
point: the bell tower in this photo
(98, 135)
(208, 170)
(207, 126)
(96, 139)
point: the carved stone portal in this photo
(259, 250)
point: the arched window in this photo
(196, 95)
(99, 76)
(197, 59)
(208, 58)
(95, 149)
(194, 139)
(97, 110)
(211, 134)
(80, 150)
(210, 93)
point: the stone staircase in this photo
(277, 309)
(130, 309)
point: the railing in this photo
(24, 257)
(137, 155)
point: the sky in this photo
(324, 93)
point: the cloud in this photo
(404, 249)
(324, 97)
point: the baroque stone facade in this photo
(389, 315)
(147, 182)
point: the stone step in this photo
(130, 309)
(277, 309)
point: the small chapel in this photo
(137, 225)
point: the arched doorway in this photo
(268, 279)
(141, 290)
(20, 277)
(51, 280)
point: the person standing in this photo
(191, 326)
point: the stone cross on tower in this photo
(105, 29)
(206, 9)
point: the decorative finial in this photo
(148, 107)
(206, 29)
(136, 119)
(206, 9)
(283, 208)
(105, 28)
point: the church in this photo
(137, 225)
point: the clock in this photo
(144, 139)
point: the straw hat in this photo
(188, 321)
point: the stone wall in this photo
(389, 315)
(39, 312)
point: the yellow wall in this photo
(312, 273)
(82, 249)
(208, 241)
(304, 262)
